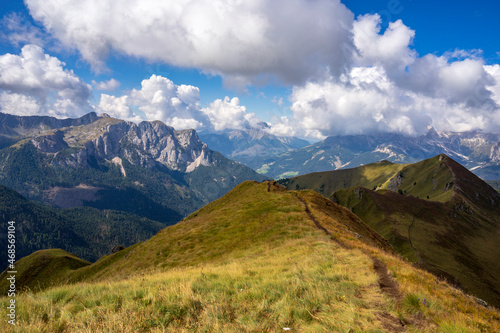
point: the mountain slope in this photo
(147, 169)
(259, 259)
(86, 232)
(435, 213)
(479, 152)
(13, 127)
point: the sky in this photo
(306, 68)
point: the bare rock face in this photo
(144, 144)
(495, 153)
(51, 143)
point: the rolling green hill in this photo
(435, 213)
(261, 258)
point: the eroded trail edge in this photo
(388, 285)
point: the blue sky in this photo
(311, 68)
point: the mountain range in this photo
(479, 152)
(148, 169)
(380, 247)
(252, 146)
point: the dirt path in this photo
(318, 225)
(388, 285)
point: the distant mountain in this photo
(87, 232)
(479, 152)
(259, 259)
(435, 213)
(12, 127)
(148, 169)
(252, 147)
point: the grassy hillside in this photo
(369, 176)
(259, 259)
(435, 213)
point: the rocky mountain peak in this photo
(148, 143)
(108, 139)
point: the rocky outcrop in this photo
(145, 144)
(495, 153)
(51, 143)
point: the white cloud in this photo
(390, 49)
(229, 114)
(117, 107)
(494, 71)
(158, 99)
(348, 75)
(161, 99)
(110, 85)
(34, 78)
(368, 101)
(19, 104)
(364, 101)
(178, 106)
(242, 39)
(391, 89)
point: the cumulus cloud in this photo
(390, 49)
(229, 114)
(364, 101)
(348, 76)
(160, 99)
(243, 40)
(390, 88)
(39, 83)
(177, 105)
(367, 101)
(110, 85)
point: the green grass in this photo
(430, 179)
(371, 176)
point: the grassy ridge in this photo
(254, 260)
(435, 213)
(369, 176)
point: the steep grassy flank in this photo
(435, 213)
(459, 246)
(258, 259)
(247, 218)
(369, 176)
(430, 179)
